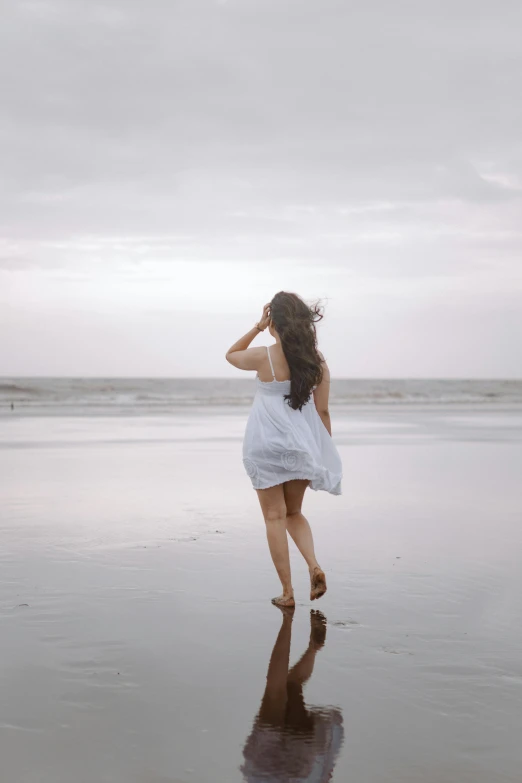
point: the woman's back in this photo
(278, 367)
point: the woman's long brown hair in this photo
(294, 322)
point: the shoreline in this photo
(114, 411)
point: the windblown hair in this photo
(295, 322)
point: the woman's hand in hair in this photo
(265, 318)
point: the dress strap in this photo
(270, 360)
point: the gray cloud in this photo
(382, 139)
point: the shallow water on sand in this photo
(136, 631)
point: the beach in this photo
(135, 619)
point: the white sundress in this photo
(281, 444)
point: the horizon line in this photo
(236, 377)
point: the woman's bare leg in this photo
(298, 527)
(297, 524)
(273, 506)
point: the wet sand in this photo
(136, 629)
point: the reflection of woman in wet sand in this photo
(290, 741)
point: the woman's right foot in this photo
(317, 583)
(284, 601)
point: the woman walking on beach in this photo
(288, 443)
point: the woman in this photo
(288, 445)
(290, 740)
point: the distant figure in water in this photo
(12, 406)
(288, 444)
(290, 741)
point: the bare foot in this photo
(317, 629)
(317, 583)
(284, 601)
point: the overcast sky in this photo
(166, 166)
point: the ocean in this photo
(131, 396)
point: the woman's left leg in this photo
(273, 506)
